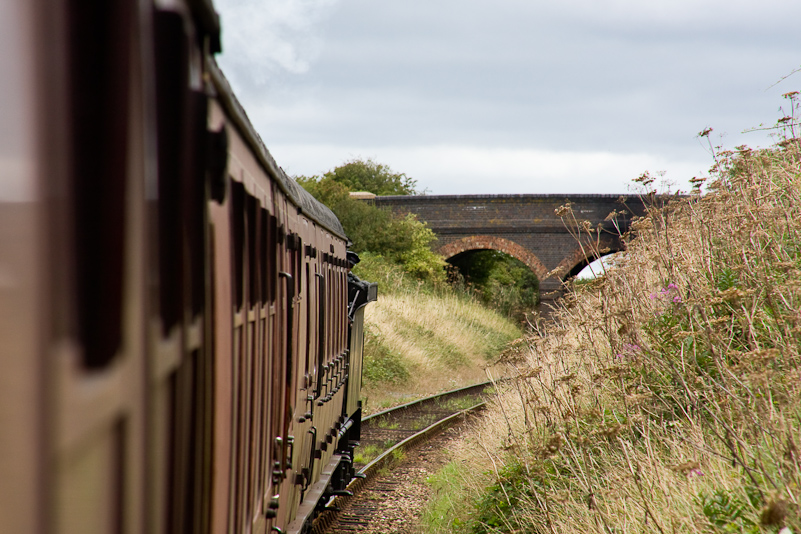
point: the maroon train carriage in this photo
(176, 351)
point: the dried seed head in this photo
(686, 467)
(563, 210)
(774, 512)
(556, 442)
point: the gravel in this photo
(393, 503)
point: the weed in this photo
(386, 424)
(496, 510)
(665, 396)
(365, 455)
(726, 512)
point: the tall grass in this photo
(422, 338)
(666, 395)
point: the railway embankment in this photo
(420, 340)
(666, 395)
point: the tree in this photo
(368, 227)
(379, 179)
(401, 240)
(498, 280)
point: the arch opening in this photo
(498, 244)
(497, 278)
(596, 263)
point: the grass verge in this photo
(420, 342)
(666, 396)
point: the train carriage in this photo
(176, 349)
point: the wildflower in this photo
(688, 469)
(666, 292)
(628, 349)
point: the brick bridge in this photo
(523, 226)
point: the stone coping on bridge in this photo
(496, 196)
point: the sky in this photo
(511, 96)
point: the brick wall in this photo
(524, 226)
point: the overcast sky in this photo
(510, 96)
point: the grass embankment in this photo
(667, 396)
(421, 340)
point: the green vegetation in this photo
(365, 455)
(384, 422)
(459, 403)
(498, 280)
(666, 395)
(422, 336)
(446, 512)
(394, 240)
(368, 453)
(420, 340)
(382, 364)
(367, 175)
(397, 249)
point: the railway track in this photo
(386, 437)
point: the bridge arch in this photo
(580, 257)
(485, 242)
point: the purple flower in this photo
(665, 292)
(628, 349)
(695, 472)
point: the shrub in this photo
(400, 240)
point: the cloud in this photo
(264, 38)
(450, 169)
(519, 95)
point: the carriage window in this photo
(194, 196)
(182, 138)
(265, 255)
(171, 83)
(99, 49)
(254, 253)
(309, 326)
(272, 257)
(238, 230)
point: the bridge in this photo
(523, 226)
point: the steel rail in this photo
(424, 400)
(408, 443)
(366, 473)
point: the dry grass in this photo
(666, 396)
(442, 340)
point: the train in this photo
(181, 339)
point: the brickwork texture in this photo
(523, 226)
